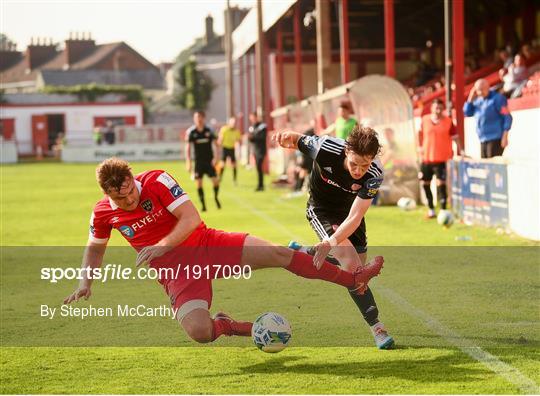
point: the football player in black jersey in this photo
(345, 178)
(202, 140)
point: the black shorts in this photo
(325, 223)
(228, 153)
(427, 170)
(204, 168)
(491, 149)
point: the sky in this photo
(159, 30)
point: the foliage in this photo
(195, 87)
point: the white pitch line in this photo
(504, 370)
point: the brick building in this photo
(80, 61)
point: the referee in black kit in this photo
(258, 132)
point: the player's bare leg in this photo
(259, 253)
(202, 328)
(215, 182)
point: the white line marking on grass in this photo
(279, 226)
(504, 370)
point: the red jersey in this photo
(436, 139)
(159, 193)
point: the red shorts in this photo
(206, 255)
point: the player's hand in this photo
(81, 292)
(321, 251)
(188, 166)
(148, 253)
(284, 139)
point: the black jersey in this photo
(331, 186)
(202, 143)
(257, 136)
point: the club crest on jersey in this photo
(355, 187)
(127, 231)
(176, 191)
(147, 205)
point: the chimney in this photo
(39, 53)
(8, 54)
(209, 36)
(78, 47)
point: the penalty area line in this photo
(504, 370)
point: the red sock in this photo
(302, 265)
(230, 328)
(221, 327)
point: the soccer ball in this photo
(406, 203)
(271, 332)
(445, 218)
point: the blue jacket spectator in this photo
(493, 120)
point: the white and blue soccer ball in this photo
(406, 203)
(445, 218)
(271, 332)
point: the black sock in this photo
(429, 195)
(367, 306)
(216, 192)
(441, 192)
(234, 173)
(201, 197)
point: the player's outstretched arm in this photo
(92, 258)
(358, 210)
(287, 139)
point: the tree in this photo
(196, 87)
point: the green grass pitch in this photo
(444, 301)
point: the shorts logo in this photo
(147, 205)
(127, 231)
(176, 191)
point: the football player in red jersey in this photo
(157, 218)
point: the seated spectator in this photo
(505, 58)
(58, 145)
(515, 77)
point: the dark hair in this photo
(200, 112)
(345, 104)
(438, 101)
(111, 174)
(363, 141)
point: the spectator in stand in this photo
(437, 131)
(514, 77)
(505, 58)
(108, 133)
(527, 53)
(97, 135)
(345, 122)
(493, 120)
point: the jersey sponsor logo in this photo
(176, 191)
(204, 140)
(333, 183)
(147, 205)
(166, 180)
(328, 169)
(127, 231)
